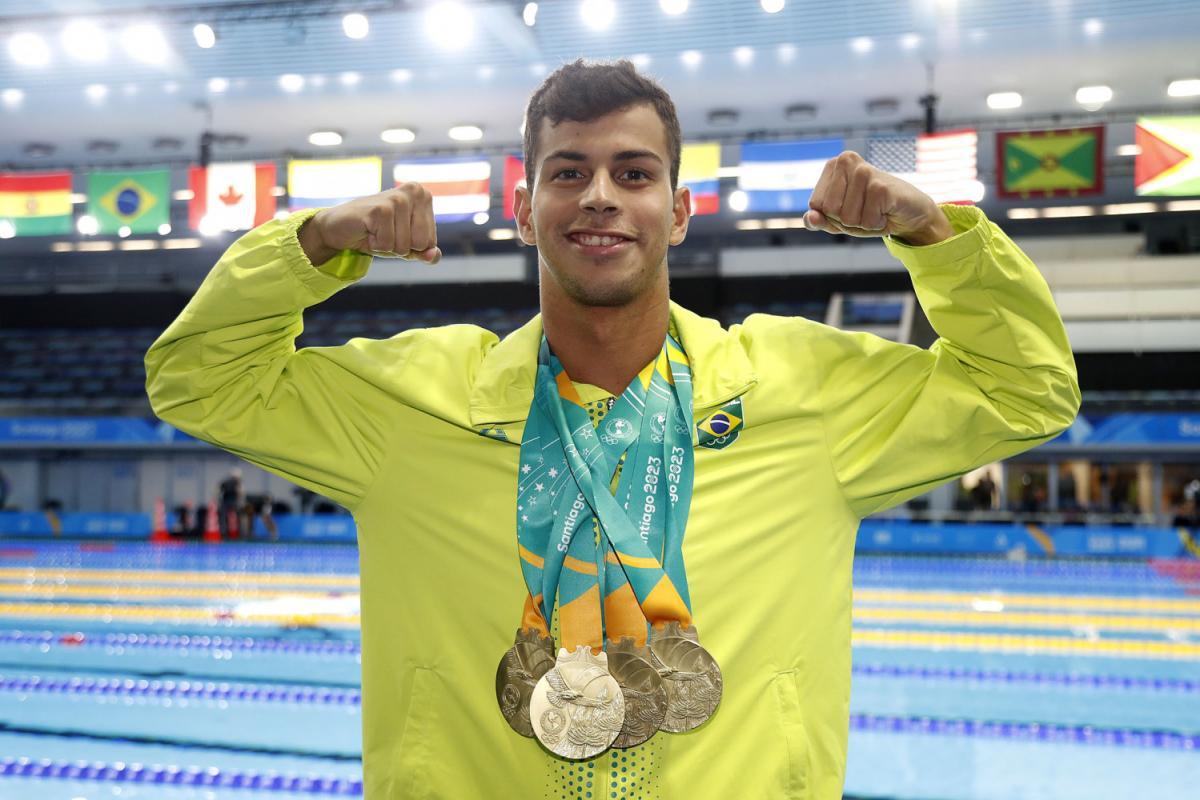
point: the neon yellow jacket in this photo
(837, 425)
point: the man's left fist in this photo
(855, 198)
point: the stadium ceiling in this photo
(848, 66)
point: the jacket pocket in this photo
(411, 779)
(795, 739)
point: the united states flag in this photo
(943, 165)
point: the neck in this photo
(606, 346)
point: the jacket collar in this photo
(503, 389)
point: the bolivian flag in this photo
(1169, 159)
(1059, 163)
(140, 201)
(36, 204)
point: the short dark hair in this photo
(582, 91)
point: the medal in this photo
(691, 677)
(530, 657)
(643, 690)
(577, 708)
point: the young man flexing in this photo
(663, 511)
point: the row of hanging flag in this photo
(775, 177)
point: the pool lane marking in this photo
(176, 641)
(311, 694)
(1036, 732)
(1026, 619)
(117, 592)
(233, 577)
(1093, 602)
(1002, 642)
(173, 613)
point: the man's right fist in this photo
(397, 223)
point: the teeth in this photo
(597, 241)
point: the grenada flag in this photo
(235, 196)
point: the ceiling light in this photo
(450, 25)
(480, 218)
(12, 97)
(39, 149)
(356, 26)
(183, 194)
(129, 89)
(317, 81)
(673, 7)
(124, 231)
(29, 49)
(640, 60)
(1024, 213)
(1183, 205)
(502, 234)
(1068, 211)
(96, 92)
(209, 226)
(1189, 87)
(529, 14)
(282, 213)
(7, 229)
(1130, 208)
(910, 41)
(537, 70)
(1001, 101)
(787, 53)
(171, 87)
(350, 78)
(1129, 150)
(771, 6)
(102, 146)
(398, 136)
(1092, 97)
(485, 72)
(691, 58)
(862, 44)
(738, 200)
(401, 75)
(597, 14)
(218, 85)
(325, 138)
(743, 55)
(145, 42)
(204, 35)
(722, 116)
(164, 229)
(883, 105)
(466, 133)
(799, 111)
(168, 143)
(181, 244)
(749, 224)
(291, 82)
(87, 225)
(84, 40)
(1093, 27)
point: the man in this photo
(795, 432)
(231, 500)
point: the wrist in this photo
(312, 244)
(937, 230)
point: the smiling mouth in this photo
(595, 240)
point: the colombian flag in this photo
(36, 204)
(698, 166)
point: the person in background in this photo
(230, 501)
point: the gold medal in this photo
(690, 674)
(577, 708)
(530, 657)
(643, 690)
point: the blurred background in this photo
(176, 623)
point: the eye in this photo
(637, 174)
(569, 172)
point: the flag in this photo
(35, 203)
(514, 176)
(327, 182)
(780, 176)
(698, 166)
(1050, 163)
(943, 165)
(460, 186)
(234, 197)
(1169, 161)
(140, 201)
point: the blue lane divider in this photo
(180, 642)
(119, 772)
(1027, 731)
(1006, 676)
(206, 690)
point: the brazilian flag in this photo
(1059, 163)
(140, 201)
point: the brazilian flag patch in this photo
(722, 427)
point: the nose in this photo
(600, 195)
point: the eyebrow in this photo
(624, 155)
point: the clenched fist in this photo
(855, 198)
(397, 223)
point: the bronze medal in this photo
(530, 657)
(645, 695)
(577, 708)
(691, 677)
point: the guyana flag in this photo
(1059, 163)
(139, 200)
(36, 204)
(1169, 160)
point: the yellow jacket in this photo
(835, 426)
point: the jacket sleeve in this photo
(999, 380)
(227, 370)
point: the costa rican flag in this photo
(780, 176)
(232, 197)
(461, 187)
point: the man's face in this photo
(602, 212)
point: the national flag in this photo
(35, 203)
(461, 187)
(698, 167)
(327, 182)
(780, 176)
(1169, 159)
(233, 196)
(514, 176)
(1054, 163)
(943, 165)
(140, 201)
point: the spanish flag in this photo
(36, 203)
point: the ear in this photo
(681, 214)
(523, 211)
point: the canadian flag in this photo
(233, 197)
